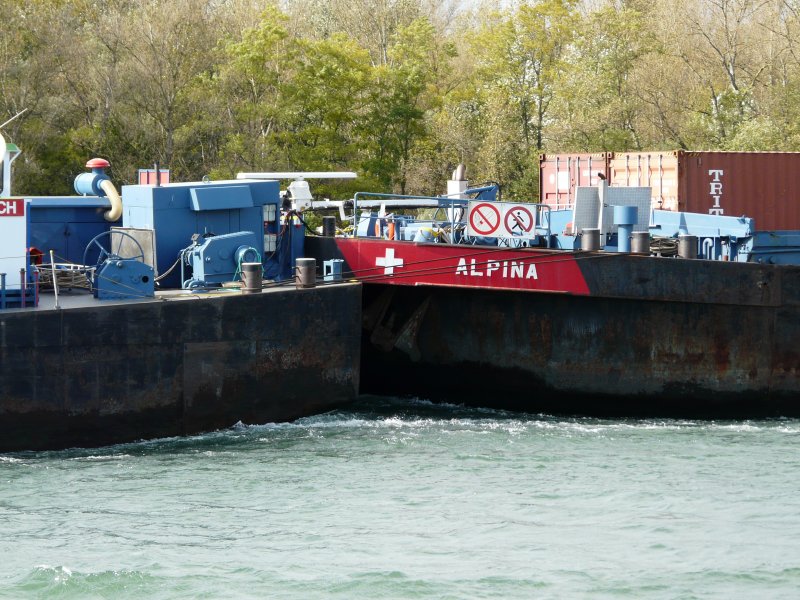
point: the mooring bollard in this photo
(305, 273)
(687, 246)
(590, 239)
(252, 278)
(640, 242)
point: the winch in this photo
(122, 273)
(216, 259)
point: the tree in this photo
(166, 49)
(520, 59)
(722, 47)
(253, 80)
(404, 89)
(596, 103)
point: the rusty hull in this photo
(657, 336)
(109, 374)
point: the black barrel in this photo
(328, 226)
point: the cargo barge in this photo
(526, 308)
(91, 373)
(182, 318)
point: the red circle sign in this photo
(484, 218)
(519, 220)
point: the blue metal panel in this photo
(78, 235)
(670, 224)
(68, 202)
(719, 237)
(172, 212)
(125, 278)
(776, 248)
(221, 198)
(65, 225)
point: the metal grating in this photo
(586, 212)
(124, 246)
(626, 196)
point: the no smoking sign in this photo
(484, 219)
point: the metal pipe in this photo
(2, 290)
(36, 287)
(23, 290)
(624, 219)
(639, 170)
(55, 279)
(627, 169)
(305, 273)
(158, 174)
(14, 117)
(115, 212)
(558, 189)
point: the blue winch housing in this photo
(182, 212)
(219, 258)
(120, 278)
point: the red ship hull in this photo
(593, 332)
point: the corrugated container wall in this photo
(560, 174)
(761, 185)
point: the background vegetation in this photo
(400, 91)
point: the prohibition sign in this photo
(484, 218)
(519, 220)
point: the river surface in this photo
(405, 499)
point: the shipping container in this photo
(762, 185)
(561, 174)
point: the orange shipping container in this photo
(762, 185)
(560, 174)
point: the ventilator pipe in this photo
(624, 219)
(115, 212)
(98, 184)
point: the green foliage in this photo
(399, 101)
(597, 104)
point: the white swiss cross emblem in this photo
(388, 262)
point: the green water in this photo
(395, 499)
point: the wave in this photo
(63, 582)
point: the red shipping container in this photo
(560, 174)
(148, 176)
(762, 185)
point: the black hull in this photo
(658, 337)
(110, 374)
